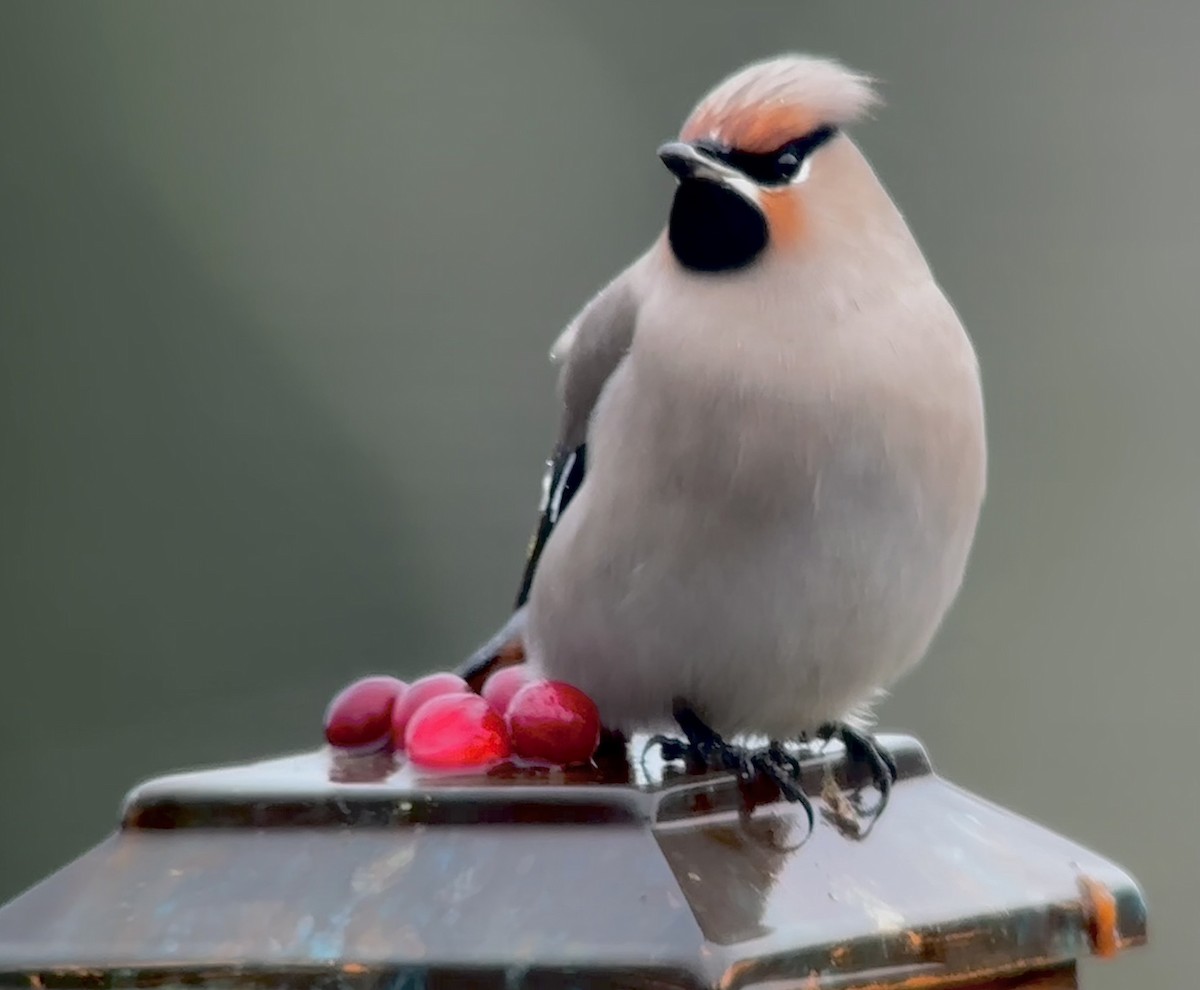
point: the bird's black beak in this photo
(683, 160)
(687, 162)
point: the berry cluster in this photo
(441, 724)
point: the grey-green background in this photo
(276, 287)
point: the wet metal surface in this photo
(315, 871)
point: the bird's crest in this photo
(767, 104)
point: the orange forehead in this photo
(757, 128)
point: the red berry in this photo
(503, 684)
(554, 722)
(456, 731)
(360, 716)
(419, 692)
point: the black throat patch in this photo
(713, 229)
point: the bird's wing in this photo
(587, 352)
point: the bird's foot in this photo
(862, 749)
(779, 770)
(705, 749)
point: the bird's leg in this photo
(861, 748)
(705, 744)
(704, 747)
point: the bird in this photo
(771, 456)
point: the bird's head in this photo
(753, 160)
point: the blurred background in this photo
(277, 283)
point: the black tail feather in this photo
(504, 648)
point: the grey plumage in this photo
(786, 460)
(589, 350)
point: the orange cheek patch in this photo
(785, 218)
(751, 129)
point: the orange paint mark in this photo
(784, 218)
(1100, 906)
(751, 129)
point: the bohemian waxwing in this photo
(771, 457)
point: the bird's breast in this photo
(736, 387)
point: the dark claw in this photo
(785, 759)
(783, 770)
(861, 748)
(707, 749)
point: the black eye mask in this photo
(770, 168)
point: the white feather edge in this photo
(562, 345)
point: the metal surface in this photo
(315, 871)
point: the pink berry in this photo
(554, 722)
(360, 717)
(503, 684)
(456, 731)
(419, 692)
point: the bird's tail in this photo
(504, 649)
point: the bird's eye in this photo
(786, 165)
(771, 168)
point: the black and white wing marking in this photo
(564, 475)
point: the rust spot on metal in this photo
(915, 943)
(733, 975)
(1034, 974)
(1100, 909)
(935, 948)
